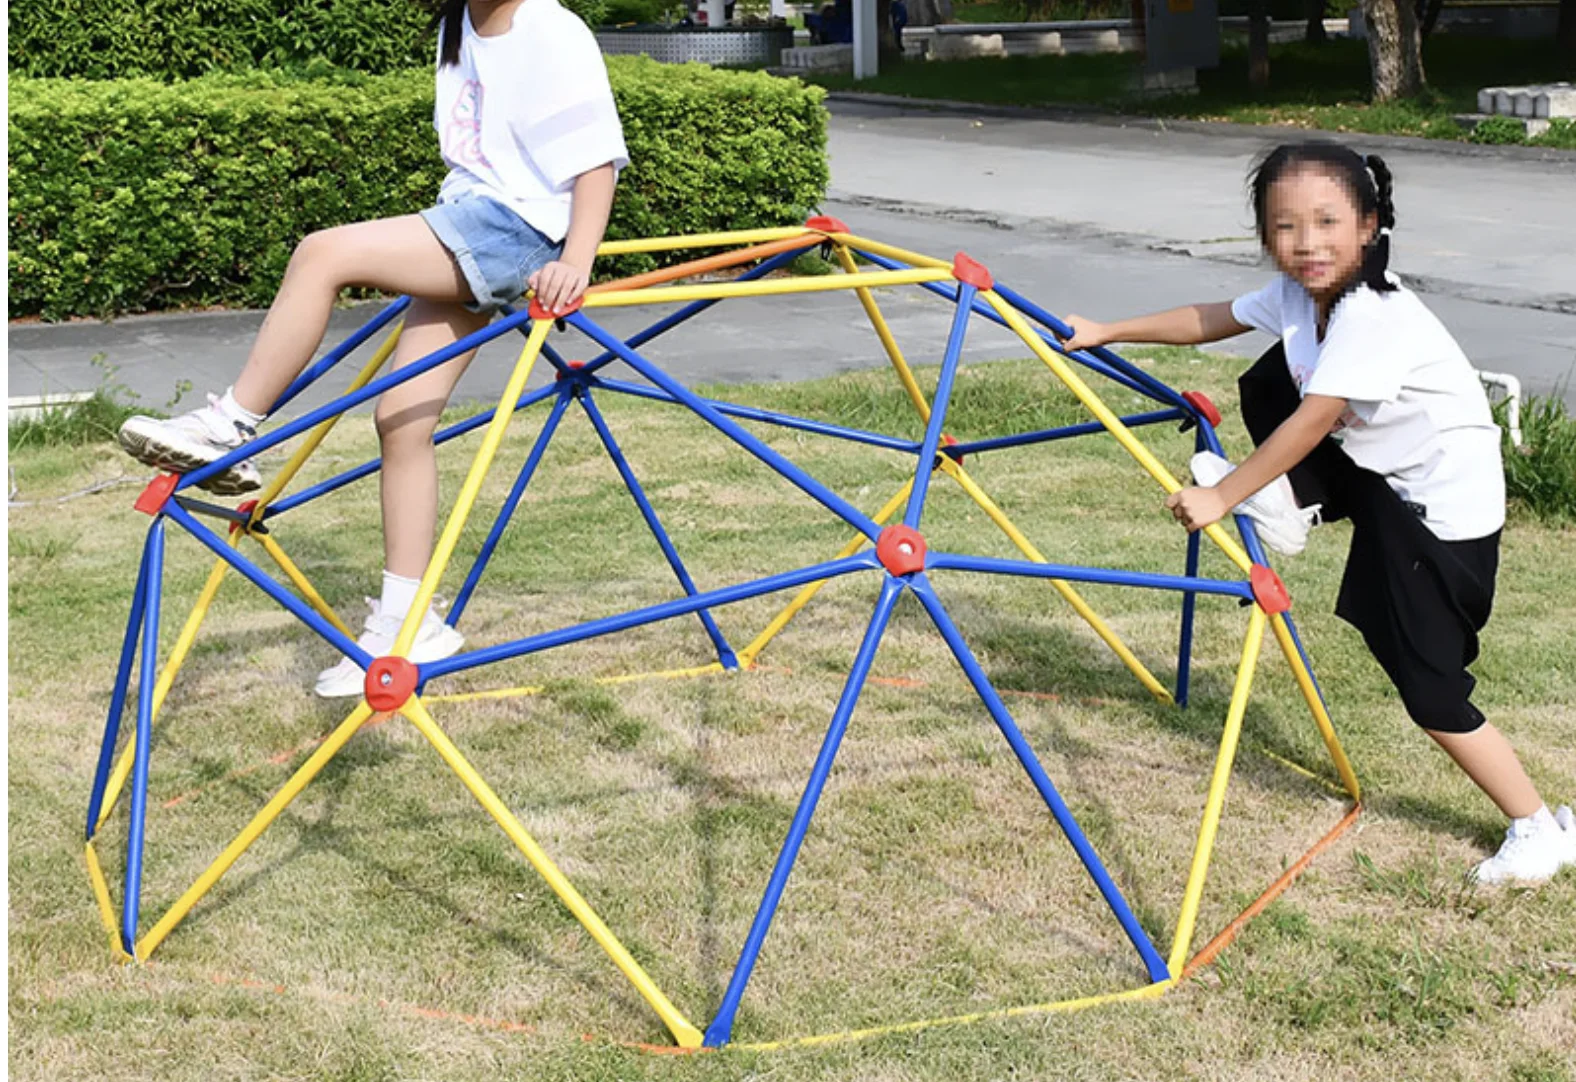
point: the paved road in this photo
(1093, 218)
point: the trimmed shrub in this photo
(131, 195)
(183, 39)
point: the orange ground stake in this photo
(1229, 933)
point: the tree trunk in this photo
(1315, 34)
(1565, 36)
(1428, 15)
(1395, 52)
(888, 53)
(1258, 44)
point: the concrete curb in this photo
(1256, 133)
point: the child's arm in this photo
(1186, 326)
(1288, 445)
(562, 282)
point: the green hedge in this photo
(183, 39)
(132, 195)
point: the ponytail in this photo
(450, 19)
(1376, 256)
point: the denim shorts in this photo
(496, 249)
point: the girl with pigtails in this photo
(1367, 409)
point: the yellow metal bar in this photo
(293, 573)
(766, 287)
(1130, 443)
(888, 342)
(700, 240)
(1321, 717)
(161, 689)
(748, 655)
(106, 907)
(1072, 596)
(1149, 991)
(1216, 800)
(683, 1032)
(319, 432)
(605, 681)
(473, 485)
(903, 255)
(1297, 768)
(260, 822)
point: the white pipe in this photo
(1512, 388)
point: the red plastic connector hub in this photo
(245, 509)
(1200, 401)
(901, 550)
(538, 312)
(1268, 590)
(974, 273)
(157, 494)
(390, 682)
(948, 441)
(572, 365)
(822, 223)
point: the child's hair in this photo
(1367, 180)
(450, 19)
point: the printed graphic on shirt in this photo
(462, 133)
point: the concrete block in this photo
(1521, 104)
(819, 58)
(966, 46)
(1485, 101)
(1048, 44)
(1558, 100)
(1505, 100)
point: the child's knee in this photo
(1444, 714)
(402, 427)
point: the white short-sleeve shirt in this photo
(1418, 414)
(525, 112)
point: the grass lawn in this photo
(385, 929)
(1324, 86)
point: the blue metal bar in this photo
(938, 407)
(554, 358)
(1100, 353)
(352, 399)
(1134, 420)
(783, 420)
(339, 353)
(1256, 553)
(147, 675)
(1189, 601)
(721, 1027)
(864, 561)
(454, 431)
(507, 511)
(950, 293)
(790, 472)
(296, 607)
(725, 652)
(1020, 747)
(947, 561)
(117, 701)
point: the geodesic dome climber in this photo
(889, 545)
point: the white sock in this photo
(399, 594)
(1538, 821)
(237, 412)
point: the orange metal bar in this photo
(720, 261)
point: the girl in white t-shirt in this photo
(527, 126)
(1375, 413)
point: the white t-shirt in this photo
(1418, 414)
(525, 112)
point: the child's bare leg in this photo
(1491, 762)
(395, 255)
(407, 417)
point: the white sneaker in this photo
(1282, 525)
(189, 442)
(435, 640)
(1531, 853)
